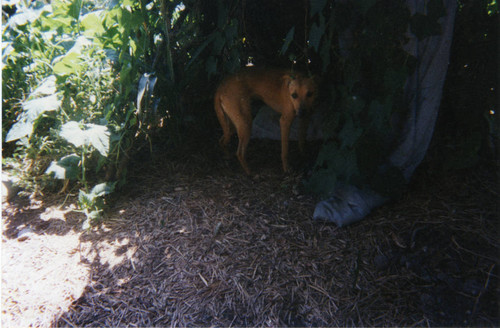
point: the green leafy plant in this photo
(77, 63)
(92, 204)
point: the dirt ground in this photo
(191, 241)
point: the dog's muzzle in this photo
(301, 111)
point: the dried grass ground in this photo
(193, 242)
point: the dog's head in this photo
(302, 91)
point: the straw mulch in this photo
(194, 242)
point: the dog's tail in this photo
(219, 110)
(224, 121)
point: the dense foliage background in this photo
(85, 84)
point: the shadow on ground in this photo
(193, 242)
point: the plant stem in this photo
(84, 180)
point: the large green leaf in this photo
(46, 88)
(21, 128)
(68, 65)
(26, 15)
(102, 189)
(32, 109)
(92, 24)
(87, 135)
(70, 62)
(74, 8)
(64, 16)
(85, 200)
(315, 35)
(66, 168)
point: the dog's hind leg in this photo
(243, 124)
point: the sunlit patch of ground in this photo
(41, 275)
(46, 264)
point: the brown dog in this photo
(289, 93)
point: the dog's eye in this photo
(295, 95)
(309, 94)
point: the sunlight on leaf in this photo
(92, 25)
(102, 189)
(91, 135)
(65, 168)
(32, 109)
(46, 88)
(27, 15)
(69, 64)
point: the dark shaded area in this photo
(466, 130)
(266, 23)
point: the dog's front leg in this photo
(285, 123)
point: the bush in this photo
(69, 74)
